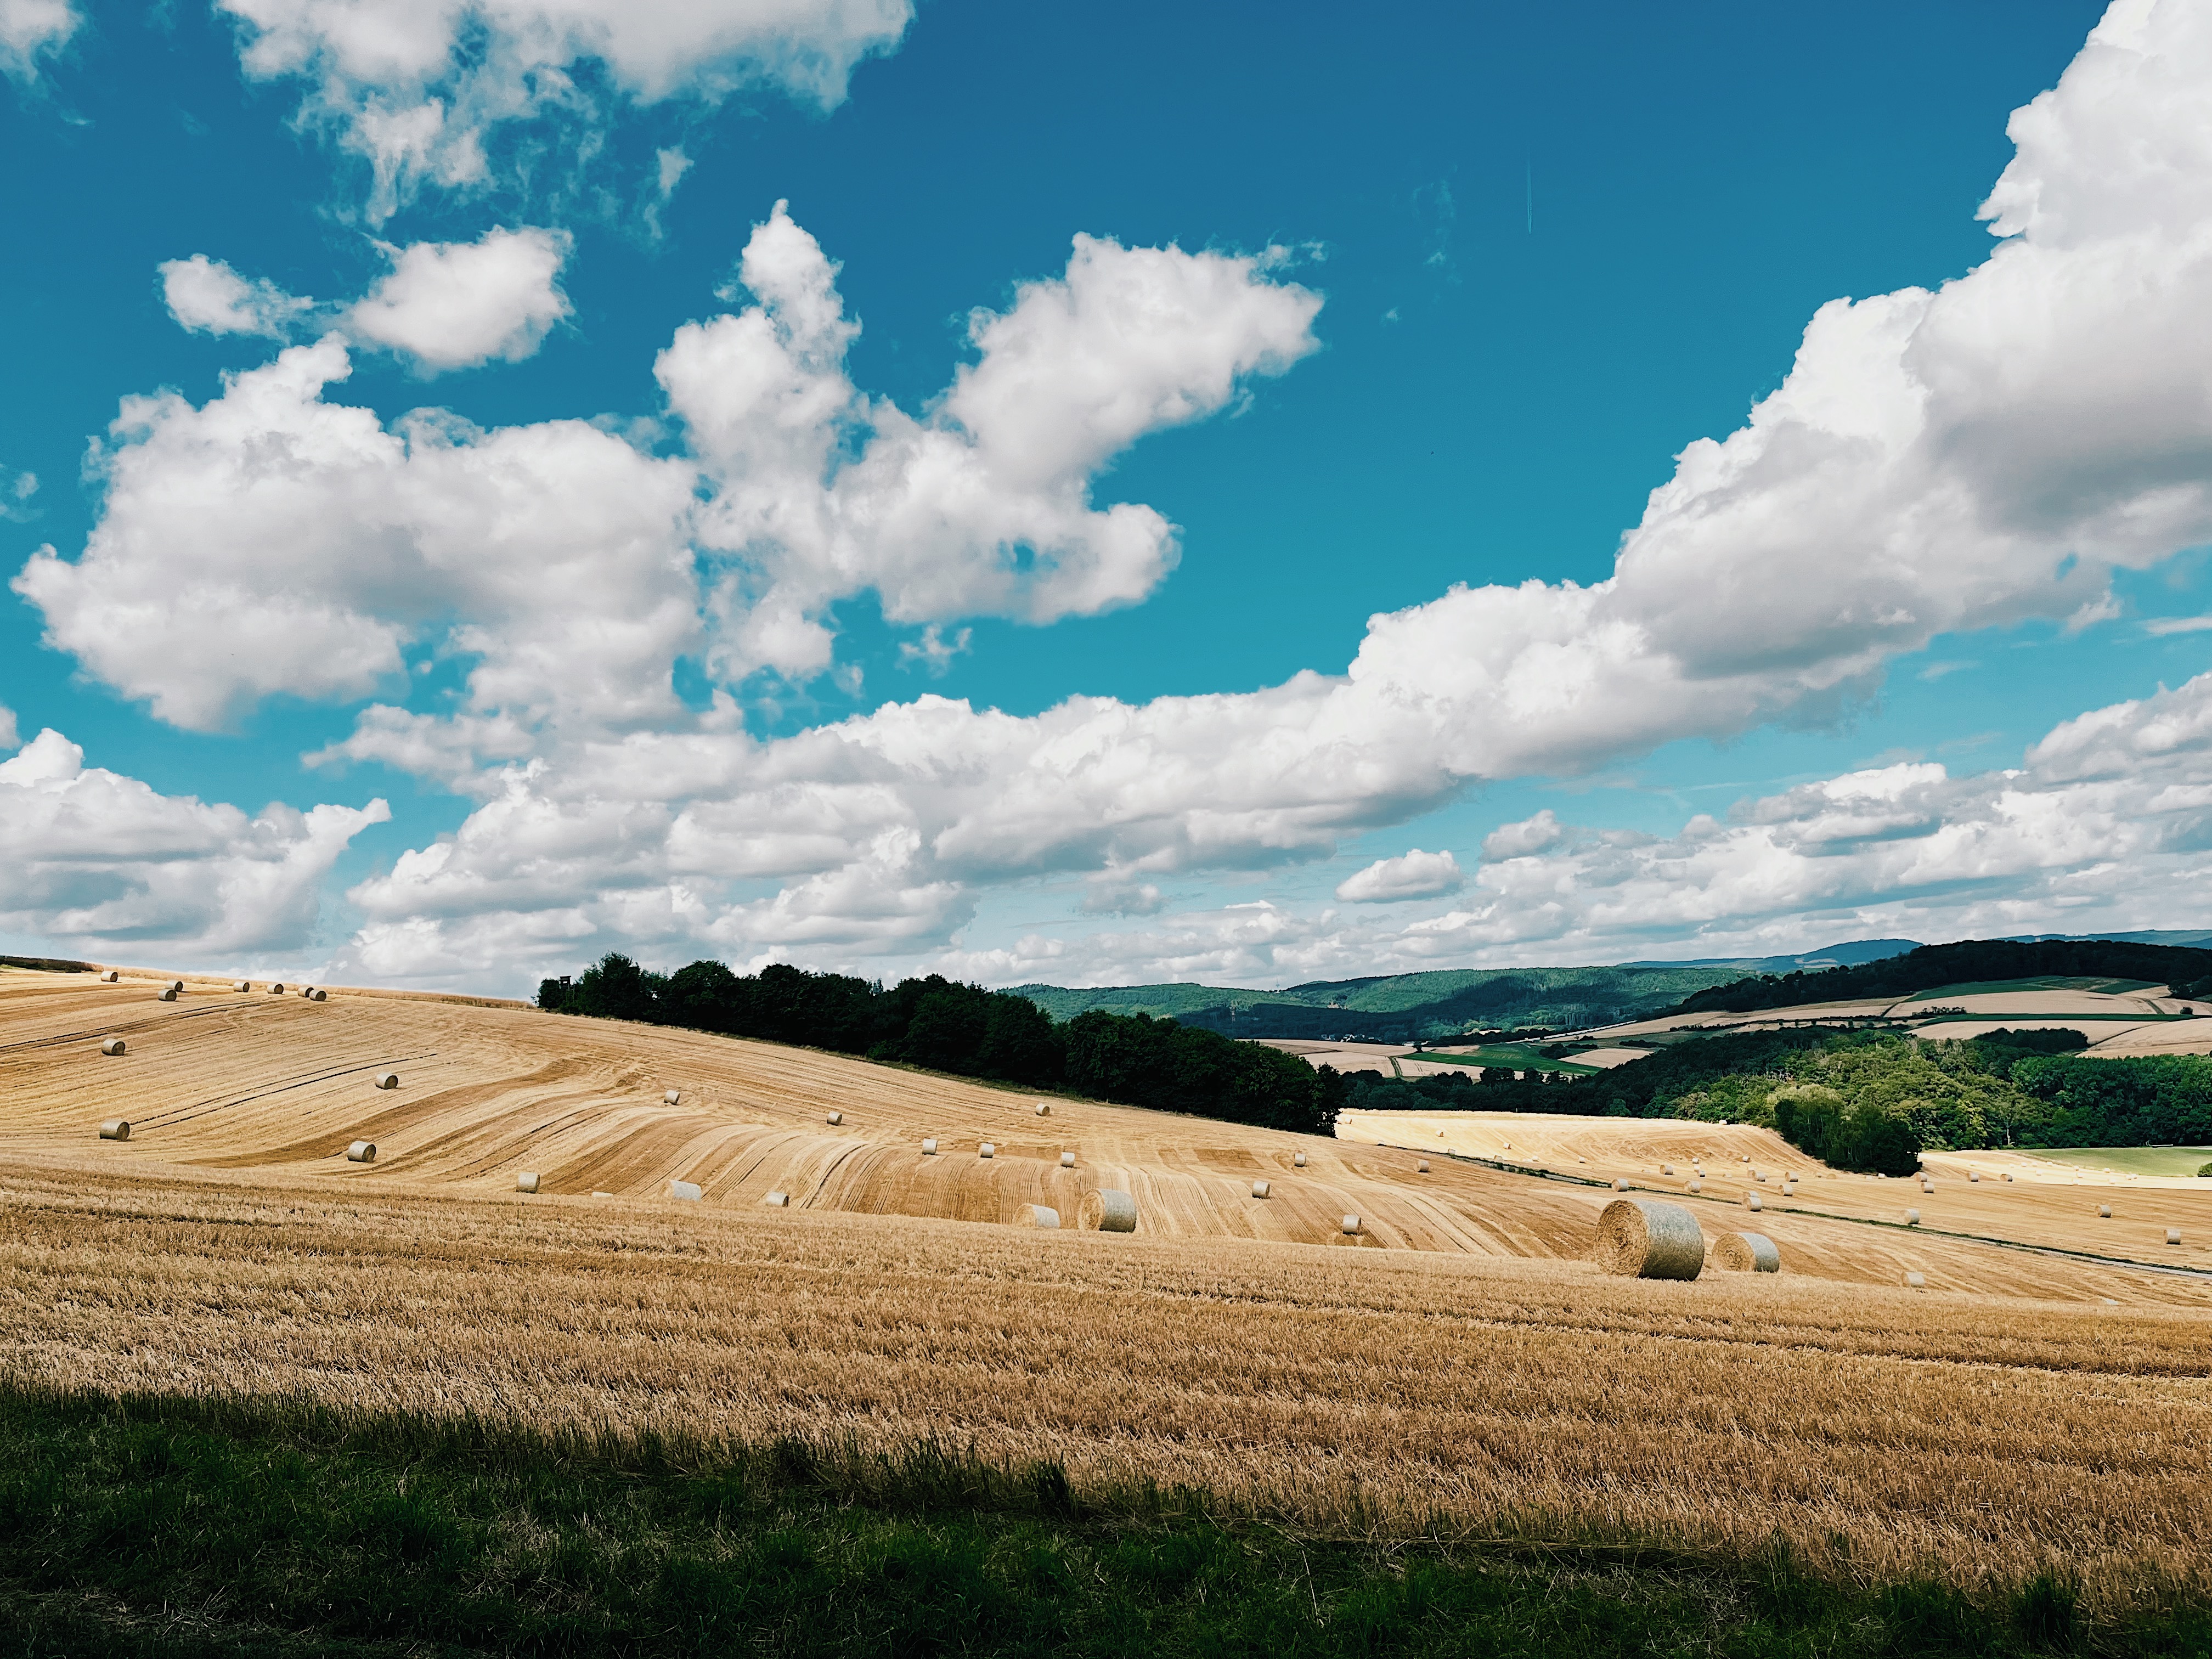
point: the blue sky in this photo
(1441, 294)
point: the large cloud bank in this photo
(1983, 454)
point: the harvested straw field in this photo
(1459, 1359)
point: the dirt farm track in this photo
(1462, 1357)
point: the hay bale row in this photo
(1107, 1210)
(1747, 1253)
(112, 1047)
(115, 1128)
(361, 1152)
(1645, 1238)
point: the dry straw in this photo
(777, 1200)
(527, 1181)
(1747, 1253)
(835, 1119)
(387, 1079)
(1645, 1238)
(1108, 1210)
(1067, 1160)
(689, 1191)
(1260, 1189)
(116, 1128)
(112, 1046)
(1039, 1215)
(361, 1152)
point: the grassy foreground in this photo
(189, 1527)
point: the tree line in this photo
(968, 1031)
(1970, 962)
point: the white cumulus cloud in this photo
(207, 296)
(455, 304)
(1412, 875)
(423, 89)
(30, 30)
(93, 860)
(1530, 834)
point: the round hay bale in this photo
(361, 1152)
(689, 1191)
(1108, 1210)
(112, 1046)
(1747, 1253)
(277, 987)
(1352, 1226)
(527, 1181)
(110, 977)
(1423, 1168)
(1973, 1175)
(1039, 1215)
(777, 1200)
(1697, 1186)
(1619, 1185)
(318, 994)
(1751, 1201)
(1666, 1169)
(387, 1079)
(835, 1119)
(115, 1128)
(177, 985)
(308, 991)
(1260, 1189)
(929, 1148)
(243, 985)
(1298, 1159)
(1645, 1238)
(1912, 1217)
(596, 1192)
(671, 1097)
(1758, 1175)
(1044, 1109)
(987, 1150)
(2173, 1235)
(2105, 1211)
(1916, 1281)
(165, 995)
(2008, 1175)
(1067, 1160)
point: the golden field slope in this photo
(277, 1087)
(1959, 1434)
(2009, 1417)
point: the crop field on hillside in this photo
(2170, 1163)
(1458, 1366)
(1347, 1389)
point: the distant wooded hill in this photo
(1416, 1007)
(2088, 965)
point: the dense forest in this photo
(970, 1032)
(1971, 962)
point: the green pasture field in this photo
(2131, 1160)
(1517, 1056)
